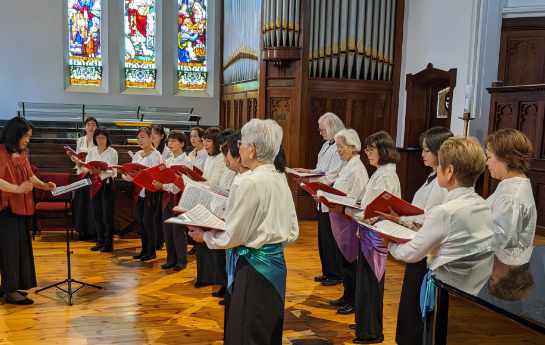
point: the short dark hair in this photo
(90, 119)
(13, 131)
(101, 131)
(177, 135)
(385, 145)
(213, 133)
(512, 147)
(199, 130)
(146, 130)
(434, 137)
(280, 160)
(231, 145)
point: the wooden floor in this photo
(142, 304)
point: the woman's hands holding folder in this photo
(196, 233)
(158, 185)
(392, 216)
(127, 178)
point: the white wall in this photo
(462, 34)
(31, 60)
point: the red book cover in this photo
(71, 152)
(167, 175)
(131, 169)
(313, 187)
(385, 201)
(197, 171)
(191, 173)
(145, 178)
(97, 165)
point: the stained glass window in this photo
(84, 44)
(192, 72)
(140, 48)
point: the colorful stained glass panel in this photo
(84, 43)
(140, 48)
(192, 72)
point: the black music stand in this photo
(69, 291)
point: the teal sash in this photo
(267, 260)
(427, 295)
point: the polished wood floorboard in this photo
(142, 304)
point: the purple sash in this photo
(344, 230)
(373, 249)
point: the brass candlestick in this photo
(466, 118)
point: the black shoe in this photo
(148, 257)
(22, 293)
(25, 301)
(191, 251)
(337, 302)
(200, 285)
(331, 282)
(96, 248)
(221, 302)
(368, 340)
(138, 256)
(220, 293)
(107, 249)
(345, 309)
(178, 268)
(319, 279)
(352, 326)
(159, 247)
(167, 266)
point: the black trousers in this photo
(349, 281)
(84, 220)
(254, 310)
(158, 225)
(103, 205)
(410, 326)
(16, 257)
(369, 301)
(146, 209)
(210, 265)
(330, 255)
(175, 239)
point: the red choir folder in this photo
(197, 171)
(385, 201)
(71, 152)
(167, 175)
(313, 187)
(145, 177)
(131, 169)
(191, 173)
(98, 165)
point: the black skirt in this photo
(255, 310)
(210, 265)
(84, 220)
(16, 257)
(369, 301)
(330, 255)
(409, 320)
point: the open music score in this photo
(71, 187)
(198, 216)
(200, 194)
(71, 152)
(330, 198)
(390, 230)
(303, 174)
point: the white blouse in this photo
(214, 168)
(383, 179)
(108, 156)
(352, 178)
(515, 217)
(182, 159)
(226, 181)
(329, 162)
(81, 146)
(460, 237)
(166, 153)
(151, 160)
(429, 195)
(260, 211)
(198, 158)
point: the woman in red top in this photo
(16, 206)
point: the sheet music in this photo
(200, 194)
(198, 216)
(302, 174)
(392, 230)
(71, 187)
(338, 199)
